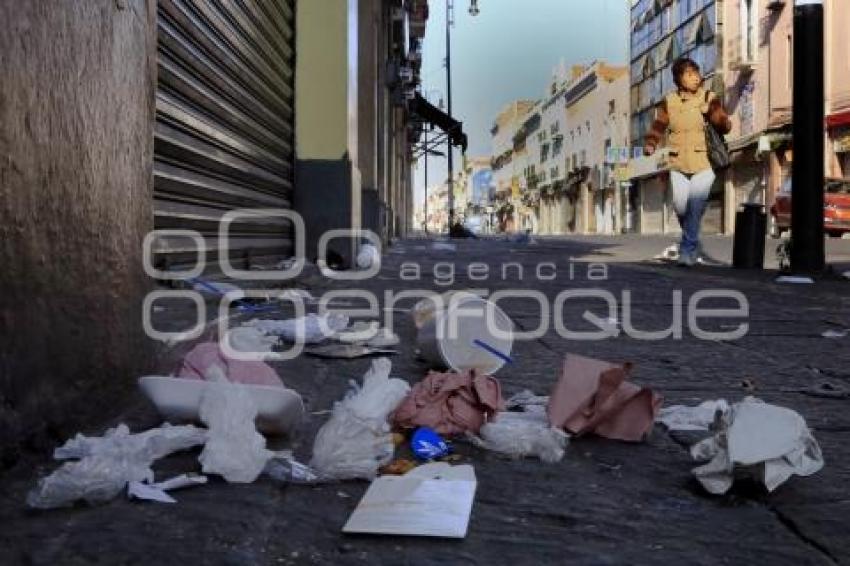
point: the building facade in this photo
(508, 162)
(170, 114)
(759, 87)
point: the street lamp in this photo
(474, 11)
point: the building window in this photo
(748, 30)
(583, 157)
(612, 107)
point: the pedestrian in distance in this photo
(682, 116)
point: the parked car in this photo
(836, 209)
(475, 224)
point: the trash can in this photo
(750, 230)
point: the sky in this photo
(508, 52)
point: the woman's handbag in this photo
(715, 145)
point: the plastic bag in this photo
(234, 449)
(519, 435)
(368, 256)
(108, 463)
(310, 329)
(283, 467)
(356, 440)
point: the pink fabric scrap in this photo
(450, 403)
(204, 356)
(594, 396)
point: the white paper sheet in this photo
(432, 500)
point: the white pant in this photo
(689, 197)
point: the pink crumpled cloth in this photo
(197, 363)
(595, 396)
(450, 403)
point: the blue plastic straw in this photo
(507, 359)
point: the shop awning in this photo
(430, 114)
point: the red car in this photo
(836, 209)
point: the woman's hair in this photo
(681, 65)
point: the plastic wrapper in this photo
(310, 329)
(285, 468)
(521, 435)
(107, 464)
(234, 449)
(356, 440)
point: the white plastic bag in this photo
(234, 449)
(310, 329)
(108, 463)
(368, 256)
(356, 440)
(519, 435)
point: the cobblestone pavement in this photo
(605, 503)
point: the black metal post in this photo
(426, 180)
(451, 204)
(807, 199)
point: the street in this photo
(606, 502)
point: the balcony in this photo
(742, 54)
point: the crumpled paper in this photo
(757, 439)
(593, 396)
(107, 464)
(451, 403)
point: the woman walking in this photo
(682, 116)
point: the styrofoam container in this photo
(179, 400)
(474, 345)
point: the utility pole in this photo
(449, 23)
(426, 181)
(807, 200)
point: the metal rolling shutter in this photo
(224, 129)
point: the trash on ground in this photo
(247, 339)
(444, 247)
(699, 418)
(234, 449)
(212, 288)
(105, 465)
(158, 491)
(451, 403)
(179, 400)
(368, 256)
(670, 253)
(759, 440)
(846, 274)
(356, 440)
(432, 500)
(309, 329)
(794, 279)
(465, 332)
(525, 399)
(359, 332)
(594, 396)
(283, 467)
(427, 445)
(524, 434)
(835, 334)
(296, 295)
(347, 351)
(398, 467)
(198, 363)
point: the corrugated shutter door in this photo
(224, 129)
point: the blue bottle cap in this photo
(428, 445)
